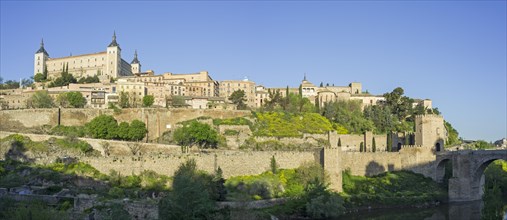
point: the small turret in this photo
(135, 60)
(135, 65)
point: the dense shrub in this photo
(76, 131)
(196, 133)
(279, 124)
(103, 127)
(232, 121)
(74, 143)
(391, 188)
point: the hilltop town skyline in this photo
(458, 62)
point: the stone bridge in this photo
(467, 181)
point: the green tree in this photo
(64, 80)
(124, 100)
(349, 115)
(373, 145)
(273, 165)
(389, 142)
(453, 135)
(62, 101)
(190, 197)
(148, 100)
(238, 98)
(123, 131)
(382, 118)
(177, 101)
(137, 130)
(196, 133)
(361, 147)
(76, 99)
(103, 127)
(89, 79)
(41, 99)
(10, 84)
(339, 142)
(39, 77)
(400, 105)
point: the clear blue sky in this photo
(452, 52)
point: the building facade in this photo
(106, 65)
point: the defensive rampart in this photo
(157, 120)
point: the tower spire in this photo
(113, 42)
(135, 60)
(304, 79)
(41, 49)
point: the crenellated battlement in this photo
(429, 116)
(410, 146)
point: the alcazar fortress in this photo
(198, 90)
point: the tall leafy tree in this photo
(349, 115)
(76, 99)
(148, 100)
(191, 197)
(400, 105)
(103, 127)
(238, 98)
(124, 100)
(123, 131)
(196, 133)
(41, 99)
(137, 130)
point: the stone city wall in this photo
(232, 163)
(165, 159)
(157, 120)
(418, 160)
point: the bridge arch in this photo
(440, 169)
(478, 178)
(467, 181)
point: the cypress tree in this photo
(361, 147)
(317, 105)
(300, 91)
(373, 145)
(389, 142)
(45, 72)
(339, 142)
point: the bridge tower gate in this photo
(430, 131)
